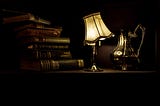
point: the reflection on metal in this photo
(124, 56)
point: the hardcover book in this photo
(39, 32)
(46, 54)
(25, 17)
(10, 13)
(44, 40)
(45, 47)
(51, 65)
(29, 25)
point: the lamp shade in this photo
(95, 28)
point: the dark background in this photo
(69, 14)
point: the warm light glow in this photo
(95, 29)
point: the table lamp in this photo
(95, 30)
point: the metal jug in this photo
(124, 56)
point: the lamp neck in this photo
(94, 47)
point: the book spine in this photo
(18, 18)
(46, 47)
(38, 33)
(25, 17)
(51, 40)
(51, 65)
(46, 54)
(33, 25)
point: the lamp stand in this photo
(94, 67)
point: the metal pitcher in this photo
(124, 56)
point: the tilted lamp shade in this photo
(95, 28)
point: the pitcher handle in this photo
(143, 33)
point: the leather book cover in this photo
(39, 32)
(25, 17)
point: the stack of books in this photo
(40, 46)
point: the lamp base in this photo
(94, 68)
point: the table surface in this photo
(103, 71)
(79, 75)
(78, 71)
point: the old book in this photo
(47, 54)
(29, 25)
(9, 13)
(39, 32)
(25, 25)
(51, 65)
(44, 40)
(25, 17)
(46, 46)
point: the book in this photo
(25, 25)
(25, 17)
(44, 40)
(10, 13)
(45, 47)
(29, 25)
(46, 54)
(39, 32)
(51, 65)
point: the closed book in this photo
(39, 32)
(24, 17)
(28, 25)
(45, 47)
(18, 26)
(10, 13)
(47, 54)
(44, 40)
(51, 65)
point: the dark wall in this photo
(116, 14)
